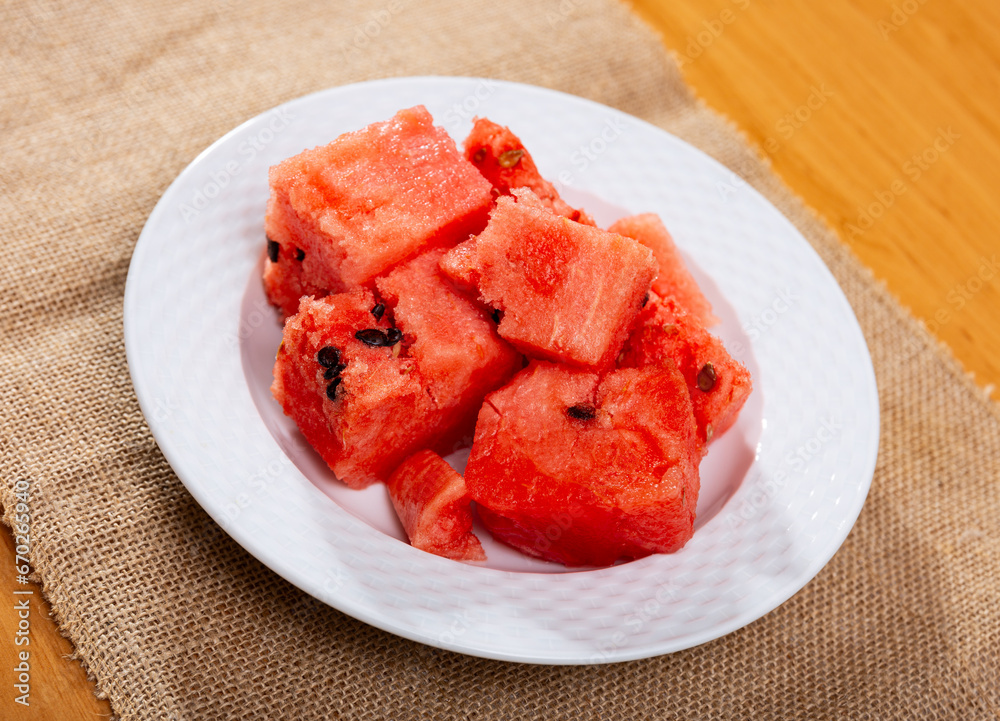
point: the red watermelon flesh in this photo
(581, 469)
(719, 385)
(503, 160)
(459, 266)
(434, 507)
(363, 408)
(453, 341)
(346, 212)
(568, 292)
(674, 279)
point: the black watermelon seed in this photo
(334, 371)
(328, 356)
(645, 300)
(272, 250)
(497, 315)
(394, 335)
(582, 412)
(372, 337)
(300, 254)
(331, 390)
(378, 310)
(706, 377)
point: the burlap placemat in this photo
(104, 104)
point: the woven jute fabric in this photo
(104, 104)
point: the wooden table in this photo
(882, 115)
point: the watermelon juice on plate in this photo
(764, 527)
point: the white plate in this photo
(780, 491)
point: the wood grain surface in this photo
(881, 114)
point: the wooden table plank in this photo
(893, 85)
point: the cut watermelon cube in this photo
(361, 406)
(503, 160)
(719, 384)
(453, 341)
(567, 291)
(341, 214)
(581, 469)
(434, 507)
(673, 279)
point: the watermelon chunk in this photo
(666, 334)
(363, 408)
(503, 160)
(341, 214)
(567, 291)
(434, 507)
(673, 279)
(453, 341)
(581, 469)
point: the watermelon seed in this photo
(645, 300)
(328, 356)
(706, 377)
(582, 412)
(393, 336)
(272, 250)
(331, 390)
(372, 337)
(334, 371)
(300, 254)
(510, 158)
(378, 310)
(479, 156)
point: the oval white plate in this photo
(780, 491)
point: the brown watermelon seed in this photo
(393, 336)
(334, 371)
(582, 411)
(272, 250)
(331, 390)
(510, 158)
(479, 156)
(328, 356)
(372, 337)
(706, 377)
(378, 310)
(645, 300)
(300, 254)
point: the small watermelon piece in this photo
(453, 341)
(362, 407)
(459, 266)
(568, 292)
(674, 279)
(667, 334)
(503, 160)
(346, 212)
(581, 469)
(434, 507)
